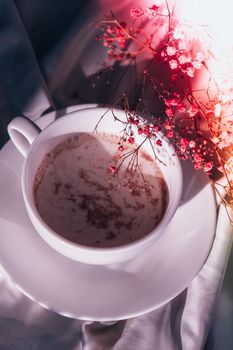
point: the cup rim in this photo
(154, 235)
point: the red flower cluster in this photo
(200, 131)
(115, 38)
(179, 55)
(150, 11)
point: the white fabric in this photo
(183, 323)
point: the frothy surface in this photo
(75, 196)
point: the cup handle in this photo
(22, 132)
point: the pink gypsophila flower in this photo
(208, 166)
(169, 112)
(170, 134)
(131, 140)
(112, 169)
(184, 58)
(135, 12)
(173, 64)
(140, 131)
(190, 72)
(154, 8)
(171, 50)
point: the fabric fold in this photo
(22, 88)
(184, 322)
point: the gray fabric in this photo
(22, 89)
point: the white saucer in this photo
(104, 293)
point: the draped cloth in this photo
(31, 85)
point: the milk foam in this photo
(78, 198)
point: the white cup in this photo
(34, 144)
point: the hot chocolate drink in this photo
(80, 200)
